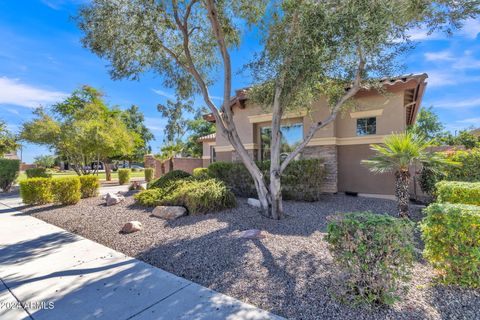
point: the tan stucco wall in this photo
(355, 177)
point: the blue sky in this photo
(42, 60)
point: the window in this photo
(366, 126)
(292, 135)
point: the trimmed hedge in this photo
(301, 180)
(38, 173)
(9, 169)
(89, 186)
(458, 192)
(201, 173)
(451, 233)
(375, 253)
(168, 177)
(469, 170)
(66, 190)
(148, 174)
(124, 176)
(198, 196)
(36, 191)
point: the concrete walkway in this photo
(49, 273)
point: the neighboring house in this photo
(11, 155)
(342, 144)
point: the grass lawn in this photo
(101, 175)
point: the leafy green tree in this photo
(196, 128)
(81, 129)
(467, 139)
(311, 48)
(45, 161)
(428, 124)
(8, 141)
(176, 126)
(397, 154)
(135, 122)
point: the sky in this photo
(42, 61)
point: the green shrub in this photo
(38, 173)
(148, 174)
(66, 190)
(301, 180)
(198, 196)
(36, 191)
(451, 233)
(375, 253)
(123, 176)
(89, 186)
(428, 178)
(458, 192)
(168, 177)
(469, 170)
(9, 169)
(201, 173)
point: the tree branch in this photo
(333, 115)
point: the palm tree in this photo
(397, 154)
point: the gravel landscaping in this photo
(289, 272)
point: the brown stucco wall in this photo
(224, 156)
(355, 177)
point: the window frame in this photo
(367, 127)
(298, 122)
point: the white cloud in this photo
(12, 92)
(439, 56)
(155, 124)
(475, 121)
(164, 94)
(466, 103)
(471, 28)
(216, 98)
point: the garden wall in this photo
(161, 167)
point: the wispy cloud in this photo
(466, 103)
(156, 125)
(439, 56)
(216, 98)
(164, 94)
(470, 30)
(13, 92)
(474, 121)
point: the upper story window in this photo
(292, 135)
(366, 126)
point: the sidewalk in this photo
(49, 273)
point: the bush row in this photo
(37, 173)
(458, 192)
(64, 190)
(178, 188)
(451, 233)
(301, 180)
(9, 169)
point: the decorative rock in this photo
(254, 202)
(113, 198)
(169, 212)
(132, 226)
(252, 234)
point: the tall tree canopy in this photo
(81, 129)
(428, 124)
(135, 122)
(311, 48)
(8, 140)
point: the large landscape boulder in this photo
(112, 198)
(254, 202)
(169, 212)
(132, 226)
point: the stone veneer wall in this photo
(329, 154)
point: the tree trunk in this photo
(402, 182)
(170, 164)
(108, 171)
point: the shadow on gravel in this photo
(31, 210)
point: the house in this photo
(342, 144)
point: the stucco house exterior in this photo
(342, 144)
